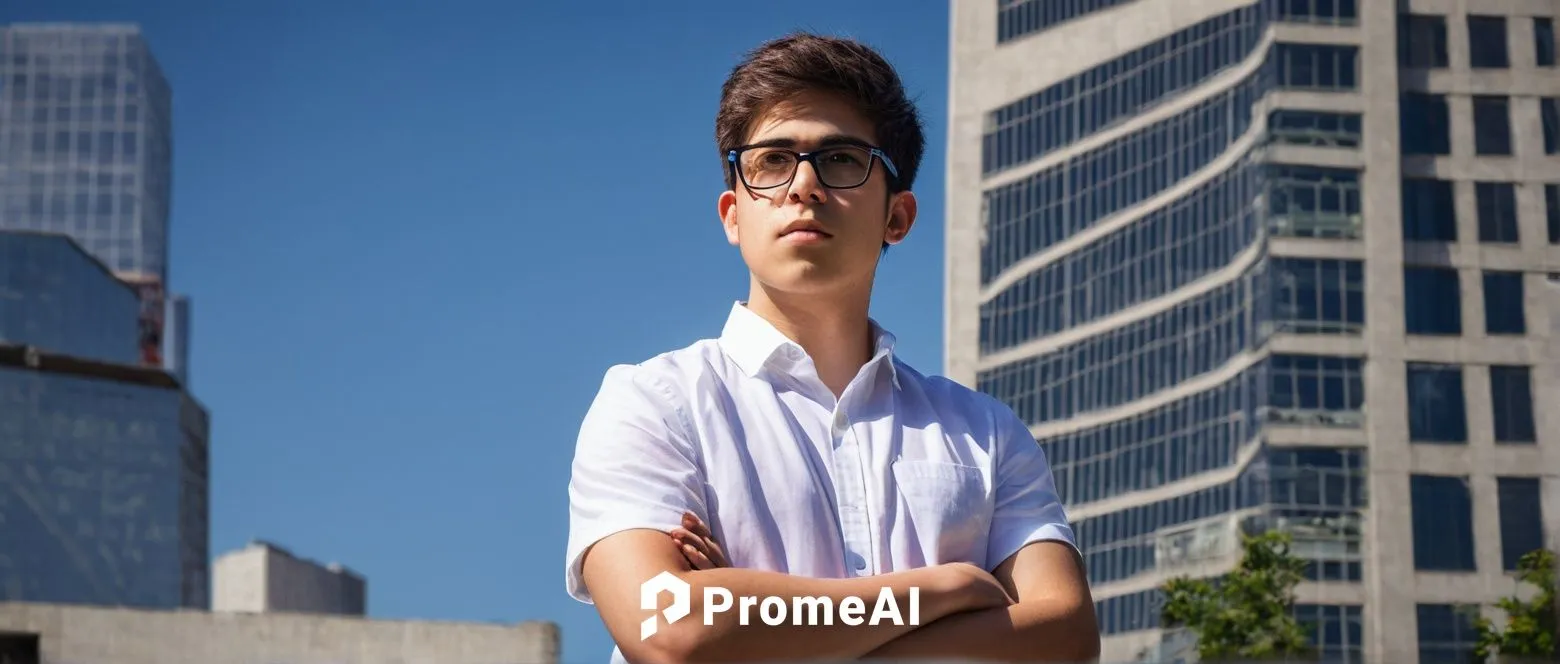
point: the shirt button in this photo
(858, 562)
(840, 420)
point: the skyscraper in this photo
(85, 150)
(103, 453)
(1253, 264)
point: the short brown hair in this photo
(801, 62)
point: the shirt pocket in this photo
(949, 508)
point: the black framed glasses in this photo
(838, 166)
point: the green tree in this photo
(1530, 626)
(1247, 614)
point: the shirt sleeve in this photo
(635, 466)
(1028, 508)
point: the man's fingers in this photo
(697, 526)
(697, 558)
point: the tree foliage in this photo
(1530, 626)
(1248, 614)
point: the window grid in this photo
(87, 139)
(1424, 121)
(1432, 301)
(1116, 90)
(1337, 632)
(1504, 308)
(1437, 409)
(1544, 41)
(1422, 41)
(1018, 18)
(1487, 48)
(1314, 201)
(1048, 207)
(1511, 403)
(1497, 205)
(1045, 208)
(1429, 210)
(1443, 523)
(1171, 247)
(1521, 508)
(1317, 296)
(1315, 128)
(1492, 125)
(1446, 633)
(1192, 435)
(1316, 493)
(1131, 361)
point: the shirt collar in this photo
(754, 343)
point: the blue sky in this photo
(414, 248)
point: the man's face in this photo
(805, 236)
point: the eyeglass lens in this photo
(839, 167)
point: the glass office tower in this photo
(103, 454)
(103, 462)
(1269, 264)
(85, 150)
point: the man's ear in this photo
(726, 207)
(901, 217)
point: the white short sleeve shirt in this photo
(902, 471)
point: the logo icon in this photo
(650, 596)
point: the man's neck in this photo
(834, 330)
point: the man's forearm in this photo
(1025, 632)
(727, 640)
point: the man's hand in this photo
(698, 546)
(980, 589)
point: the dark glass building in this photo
(1256, 265)
(86, 151)
(103, 462)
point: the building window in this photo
(1443, 523)
(1511, 403)
(1315, 128)
(1492, 125)
(1422, 41)
(1432, 300)
(1503, 303)
(1521, 519)
(1497, 204)
(1317, 66)
(1429, 210)
(1326, 12)
(1446, 632)
(1016, 18)
(1437, 411)
(1315, 389)
(1487, 42)
(1318, 296)
(1544, 41)
(1336, 631)
(1549, 116)
(1552, 211)
(1313, 201)
(1425, 124)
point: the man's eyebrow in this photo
(831, 140)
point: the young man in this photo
(806, 459)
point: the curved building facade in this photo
(1194, 242)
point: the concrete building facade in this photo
(1254, 264)
(66, 634)
(266, 578)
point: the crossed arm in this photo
(1052, 618)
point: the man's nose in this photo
(805, 187)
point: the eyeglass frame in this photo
(874, 154)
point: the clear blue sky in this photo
(414, 244)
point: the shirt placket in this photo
(850, 484)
